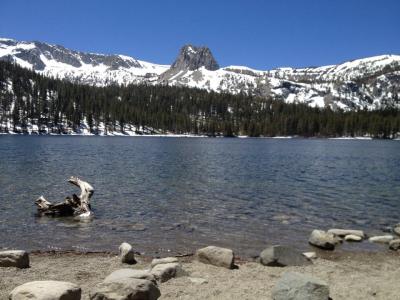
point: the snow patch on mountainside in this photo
(368, 83)
(95, 73)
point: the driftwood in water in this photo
(72, 206)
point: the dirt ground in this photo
(350, 275)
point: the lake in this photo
(178, 194)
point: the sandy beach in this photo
(350, 275)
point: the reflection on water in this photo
(182, 193)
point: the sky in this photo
(261, 34)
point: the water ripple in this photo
(180, 194)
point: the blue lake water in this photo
(178, 194)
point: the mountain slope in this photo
(35, 104)
(370, 83)
(87, 68)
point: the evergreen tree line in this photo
(27, 97)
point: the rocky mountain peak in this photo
(192, 58)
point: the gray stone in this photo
(166, 260)
(164, 272)
(383, 239)
(126, 289)
(220, 257)
(296, 286)
(281, 256)
(14, 258)
(130, 273)
(323, 240)
(127, 254)
(344, 232)
(310, 255)
(394, 244)
(46, 290)
(353, 238)
(396, 229)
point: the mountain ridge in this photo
(368, 83)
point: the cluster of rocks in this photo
(292, 285)
(126, 283)
(138, 284)
(129, 283)
(328, 240)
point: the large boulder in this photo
(296, 286)
(323, 239)
(46, 290)
(281, 256)
(129, 273)
(125, 289)
(166, 260)
(394, 244)
(220, 257)
(14, 258)
(344, 232)
(126, 254)
(164, 272)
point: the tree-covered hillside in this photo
(29, 100)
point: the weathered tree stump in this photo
(72, 206)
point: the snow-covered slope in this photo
(364, 83)
(89, 68)
(369, 83)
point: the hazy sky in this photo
(258, 33)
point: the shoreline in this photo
(361, 138)
(344, 247)
(373, 275)
(327, 254)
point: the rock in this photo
(127, 254)
(192, 58)
(394, 244)
(353, 238)
(130, 273)
(197, 280)
(164, 272)
(165, 260)
(14, 258)
(220, 257)
(46, 290)
(296, 286)
(281, 256)
(384, 239)
(125, 289)
(396, 229)
(310, 255)
(344, 232)
(323, 240)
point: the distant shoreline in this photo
(366, 138)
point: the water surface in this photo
(178, 194)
